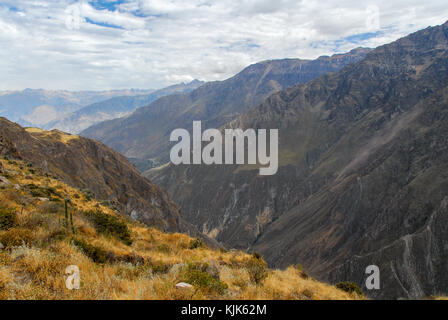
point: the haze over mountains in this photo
(114, 108)
(363, 162)
(145, 133)
(363, 175)
(38, 107)
(75, 111)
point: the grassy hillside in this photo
(119, 258)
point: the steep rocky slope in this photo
(363, 175)
(145, 133)
(87, 164)
(118, 258)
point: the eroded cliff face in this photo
(88, 164)
(363, 175)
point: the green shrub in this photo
(349, 287)
(257, 269)
(97, 254)
(223, 250)
(302, 271)
(7, 218)
(41, 191)
(88, 194)
(196, 243)
(56, 235)
(110, 225)
(195, 275)
(159, 267)
(307, 294)
(16, 237)
(256, 255)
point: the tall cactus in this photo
(68, 218)
(71, 222)
(66, 213)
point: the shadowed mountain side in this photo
(88, 164)
(145, 133)
(363, 175)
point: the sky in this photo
(105, 44)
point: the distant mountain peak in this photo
(145, 133)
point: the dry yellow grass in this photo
(38, 248)
(55, 134)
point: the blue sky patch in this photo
(356, 38)
(110, 5)
(103, 24)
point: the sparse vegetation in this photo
(88, 194)
(110, 225)
(349, 287)
(7, 218)
(197, 275)
(257, 269)
(97, 254)
(302, 271)
(119, 258)
(196, 243)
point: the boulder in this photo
(4, 182)
(183, 285)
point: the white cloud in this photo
(153, 43)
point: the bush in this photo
(257, 269)
(41, 191)
(110, 225)
(307, 294)
(349, 287)
(7, 218)
(223, 250)
(302, 272)
(97, 254)
(196, 243)
(256, 255)
(195, 275)
(160, 267)
(88, 194)
(16, 237)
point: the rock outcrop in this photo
(88, 164)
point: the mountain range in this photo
(94, 168)
(38, 106)
(144, 134)
(363, 176)
(113, 108)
